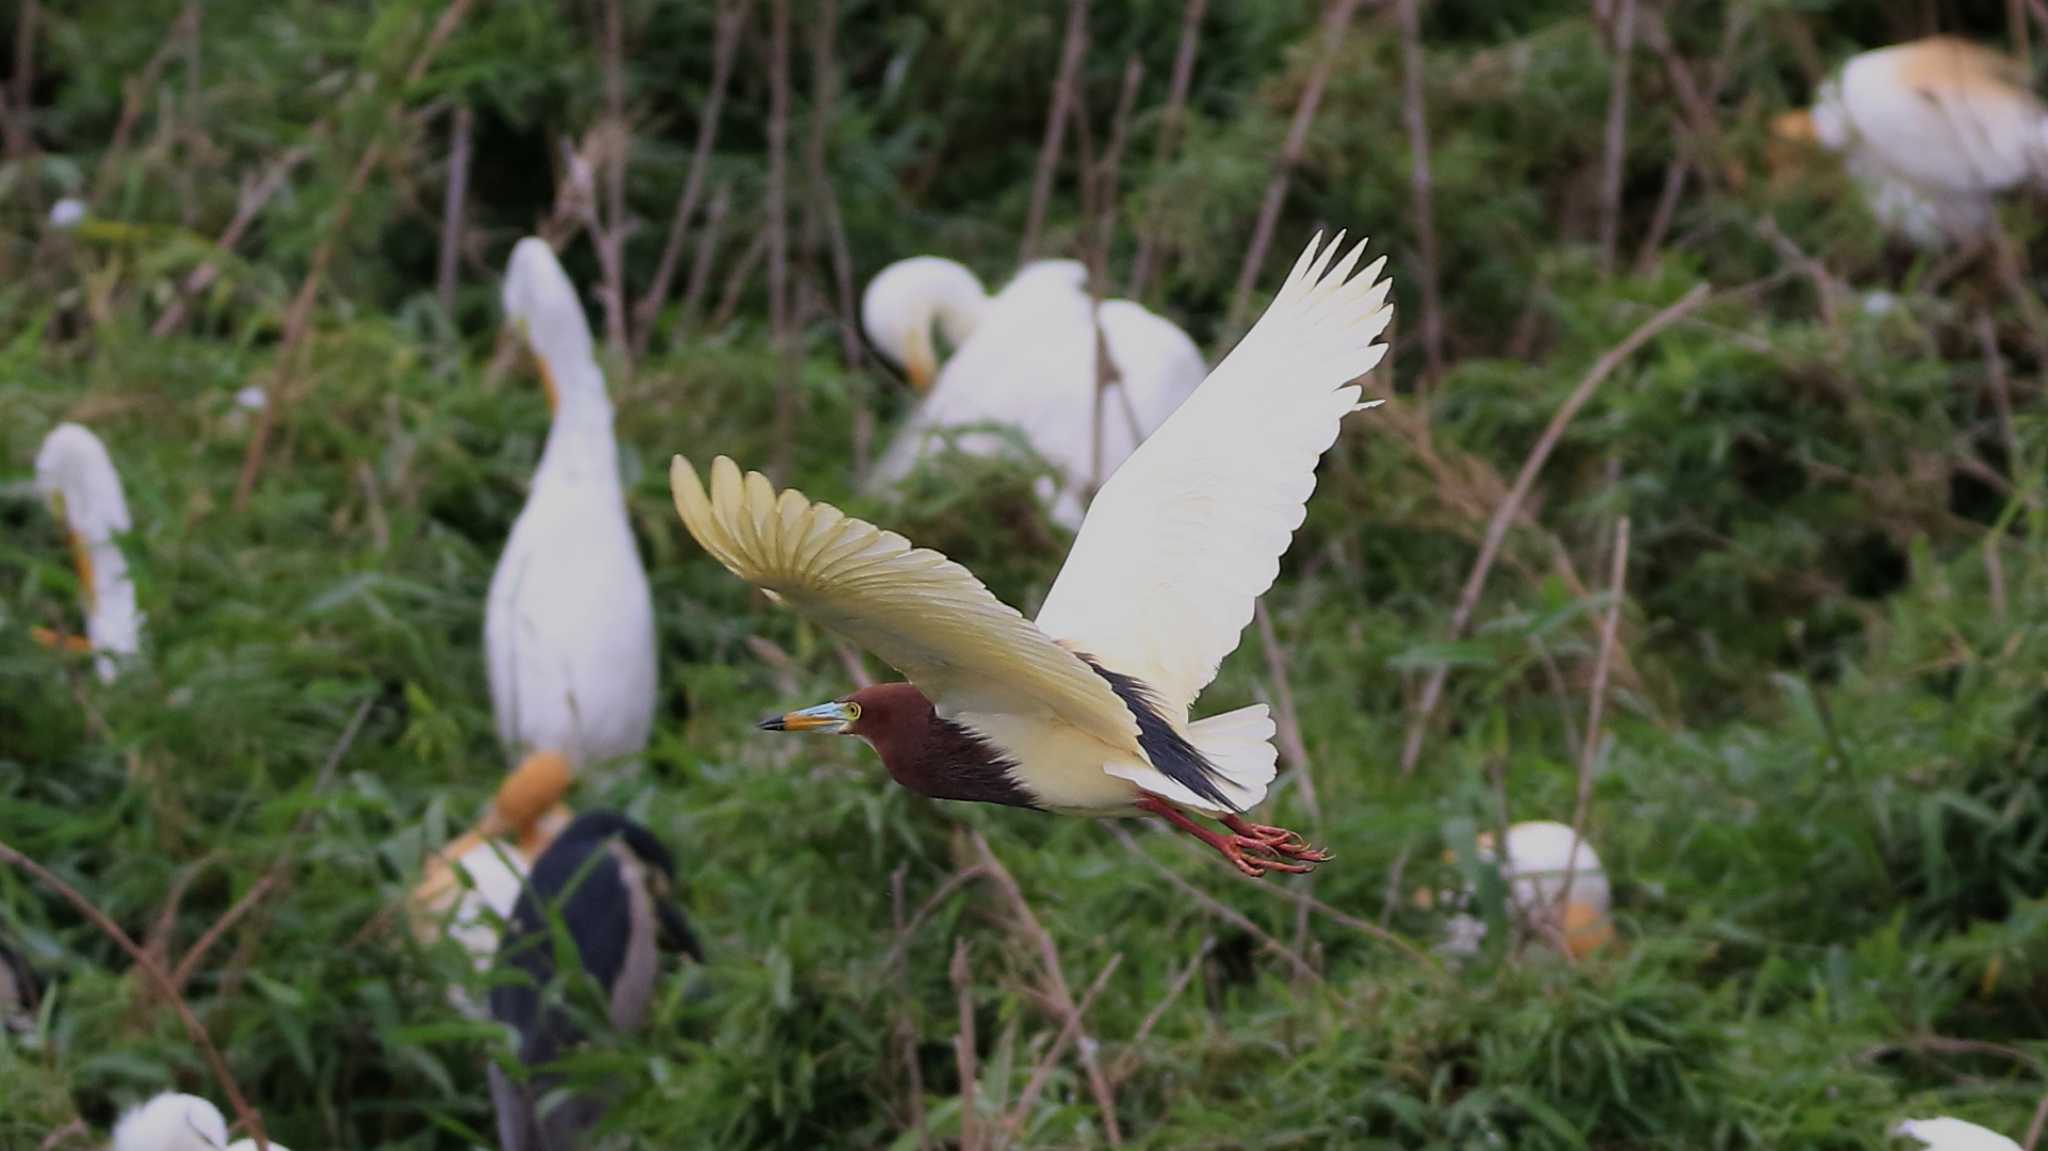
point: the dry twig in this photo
(776, 207)
(1589, 749)
(1066, 84)
(963, 1046)
(1412, 114)
(1169, 128)
(1336, 20)
(1510, 505)
(1615, 147)
(451, 211)
(732, 16)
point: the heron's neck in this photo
(581, 448)
(943, 760)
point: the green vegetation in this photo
(1820, 791)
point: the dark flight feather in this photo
(1168, 749)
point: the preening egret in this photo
(1946, 1134)
(608, 880)
(569, 626)
(1025, 359)
(1932, 130)
(1540, 859)
(496, 855)
(77, 477)
(1087, 710)
(171, 1122)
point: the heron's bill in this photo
(921, 372)
(830, 718)
(547, 384)
(1796, 125)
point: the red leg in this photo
(1264, 857)
(1277, 839)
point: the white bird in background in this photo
(76, 476)
(1540, 857)
(1025, 359)
(569, 626)
(1932, 130)
(172, 1122)
(494, 857)
(1946, 1134)
(1088, 711)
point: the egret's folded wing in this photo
(923, 614)
(1189, 531)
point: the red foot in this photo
(1253, 848)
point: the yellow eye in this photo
(852, 712)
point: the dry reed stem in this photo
(1336, 20)
(962, 975)
(706, 255)
(151, 970)
(1413, 115)
(1589, 749)
(1056, 990)
(900, 1023)
(1127, 1062)
(133, 92)
(451, 211)
(732, 15)
(1169, 129)
(1042, 1070)
(1066, 83)
(783, 457)
(297, 319)
(1219, 909)
(1510, 506)
(1614, 149)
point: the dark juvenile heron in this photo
(1086, 710)
(608, 881)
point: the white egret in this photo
(77, 477)
(1933, 130)
(1946, 1134)
(495, 856)
(1087, 711)
(1541, 859)
(569, 626)
(1025, 359)
(171, 1122)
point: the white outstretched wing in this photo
(1189, 532)
(923, 614)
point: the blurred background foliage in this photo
(1819, 789)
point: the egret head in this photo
(172, 1122)
(541, 303)
(903, 303)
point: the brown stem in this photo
(732, 16)
(1042, 1070)
(1066, 83)
(134, 92)
(1220, 910)
(1056, 990)
(1412, 114)
(1510, 505)
(154, 972)
(1336, 20)
(737, 280)
(1169, 128)
(905, 1030)
(1615, 147)
(298, 316)
(2001, 391)
(22, 84)
(451, 211)
(250, 205)
(1589, 749)
(963, 1046)
(784, 457)
(1127, 1062)
(706, 255)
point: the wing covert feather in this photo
(923, 614)
(1188, 533)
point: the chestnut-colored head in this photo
(881, 714)
(924, 753)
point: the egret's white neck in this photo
(906, 299)
(581, 448)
